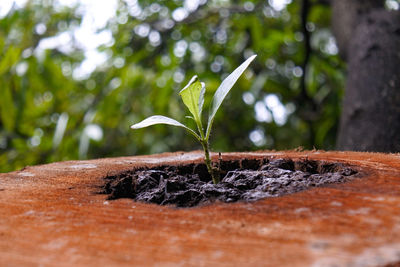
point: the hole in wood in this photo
(241, 180)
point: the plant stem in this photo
(214, 174)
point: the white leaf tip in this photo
(194, 79)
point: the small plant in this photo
(193, 97)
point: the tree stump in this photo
(54, 215)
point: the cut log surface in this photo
(52, 215)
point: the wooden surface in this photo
(50, 215)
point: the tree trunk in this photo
(370, 43)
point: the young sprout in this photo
(193, 97)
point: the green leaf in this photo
(224, 89)
(193, 97)
(158, 119)
(10, 58)
(201, 98)
(7, 108)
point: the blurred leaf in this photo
(7, 109)
(9, 60)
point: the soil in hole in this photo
(244, 180)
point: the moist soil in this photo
(241, 180)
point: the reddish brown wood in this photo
(51, 215)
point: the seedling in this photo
(193, 97)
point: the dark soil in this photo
(245, 180)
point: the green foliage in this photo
(48, 114)
(193, 97)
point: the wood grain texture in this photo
(51, 215)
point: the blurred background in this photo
(74, 75)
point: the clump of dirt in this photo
(245, 180)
